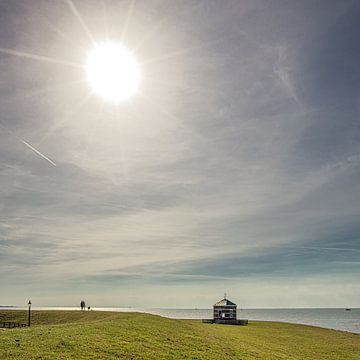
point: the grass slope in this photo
(107, 335)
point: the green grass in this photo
(108, 335)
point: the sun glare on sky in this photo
(113, 72)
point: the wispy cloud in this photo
(241, 177)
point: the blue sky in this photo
(236, 168)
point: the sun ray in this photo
(62, 35)
(98, 125)
(160, 108)
(49, 89)
(181, 125)
(82, 22)
(127, 19)
(182, 52)
(104, 13)
(153, 31)
(149, 35)
(39, 57)
(66, 118)
(176, 85)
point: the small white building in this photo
(224, 310)
(225, 313)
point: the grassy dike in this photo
(109, 335)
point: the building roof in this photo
(225, 302)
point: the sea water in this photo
(338, 319)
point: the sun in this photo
(113, 72)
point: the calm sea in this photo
(338, 319)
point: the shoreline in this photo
(125, 335)
(139, 311)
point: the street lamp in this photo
(29, 305)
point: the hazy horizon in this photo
(234, 166)
(209, 307)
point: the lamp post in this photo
(29, 305)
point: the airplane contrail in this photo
(28, 145)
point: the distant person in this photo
(82, 305)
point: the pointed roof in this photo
(225, 302)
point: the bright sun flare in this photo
(113, 72)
